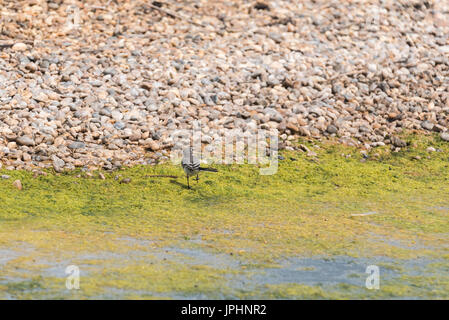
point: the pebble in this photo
(427, 125)
(25, 141)
(445, 136)
(76, 145)
(153, 145)
(58, 164)
(17, 184)
(119, 125)
(331, 129)
(397, 142)
(19, 47)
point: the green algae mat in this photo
(316, 229)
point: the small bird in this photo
(191, 165)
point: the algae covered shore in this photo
(309, 231)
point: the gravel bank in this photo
(106, 83)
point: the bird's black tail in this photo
(209, 169)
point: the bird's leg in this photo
(197, 178)
(188, 184)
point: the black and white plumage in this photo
(191, 165)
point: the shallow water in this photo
(245, 279)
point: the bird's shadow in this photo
(180, 184)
